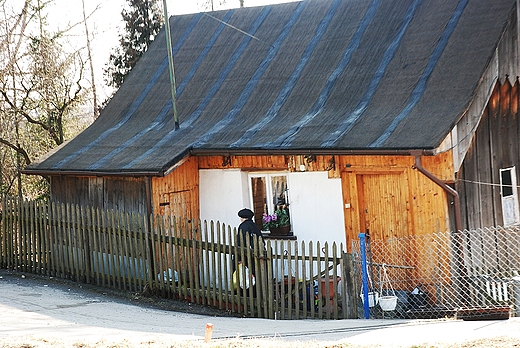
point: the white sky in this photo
(105, 23)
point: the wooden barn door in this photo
(376, 202)
(179, 204)
(382, 202)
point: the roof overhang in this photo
(323, 152)
(234, 152)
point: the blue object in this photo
(364, 275)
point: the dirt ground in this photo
(39, 311)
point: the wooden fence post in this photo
(349, 287)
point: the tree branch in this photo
(18, 149)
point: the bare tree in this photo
(41, 89)
(89, 52)
(209, 5)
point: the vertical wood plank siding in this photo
(167, 257)
(178, 193)
(119, 193)
(495, 146)
(397, 200)
(422, 205)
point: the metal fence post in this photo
(364, 275)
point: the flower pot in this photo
(373, 298)
(280, 231)
(388, 303)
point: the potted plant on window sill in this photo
(279, 223)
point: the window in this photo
(267, 192)
(509, 193)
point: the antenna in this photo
(170, 60)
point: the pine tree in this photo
(143, 20)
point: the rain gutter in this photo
(91, 173)
(324, 152)
(226, 152)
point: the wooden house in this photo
(399, 117)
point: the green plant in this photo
(279, 218)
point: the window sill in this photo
(268, 236)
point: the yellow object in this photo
(239, 275)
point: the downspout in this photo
(460, 279)
(449, 190)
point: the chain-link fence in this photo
(469, 275)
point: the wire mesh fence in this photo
(467, 275)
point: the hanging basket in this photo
(373, 298)
(388, 303)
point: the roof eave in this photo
(350, 152)
(139, 173)
(233, 152)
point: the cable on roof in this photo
(237, 29)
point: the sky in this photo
(105, 23)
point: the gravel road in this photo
(39, 311)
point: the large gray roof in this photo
(317, 75)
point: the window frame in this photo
(270, 206)
(509, 197)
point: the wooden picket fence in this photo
(178, 259)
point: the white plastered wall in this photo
(316, 205)
(222, 194)
(316, 202)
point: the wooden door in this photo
(178, 204)
(383, 208)
(376, 202)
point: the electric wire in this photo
(237, 29)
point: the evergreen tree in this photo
(143, 20)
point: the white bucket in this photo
(373, 298)
(388, 303)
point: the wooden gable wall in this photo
(495, 146)
(505, 62)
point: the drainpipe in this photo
(460, 278)
(445, 187)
